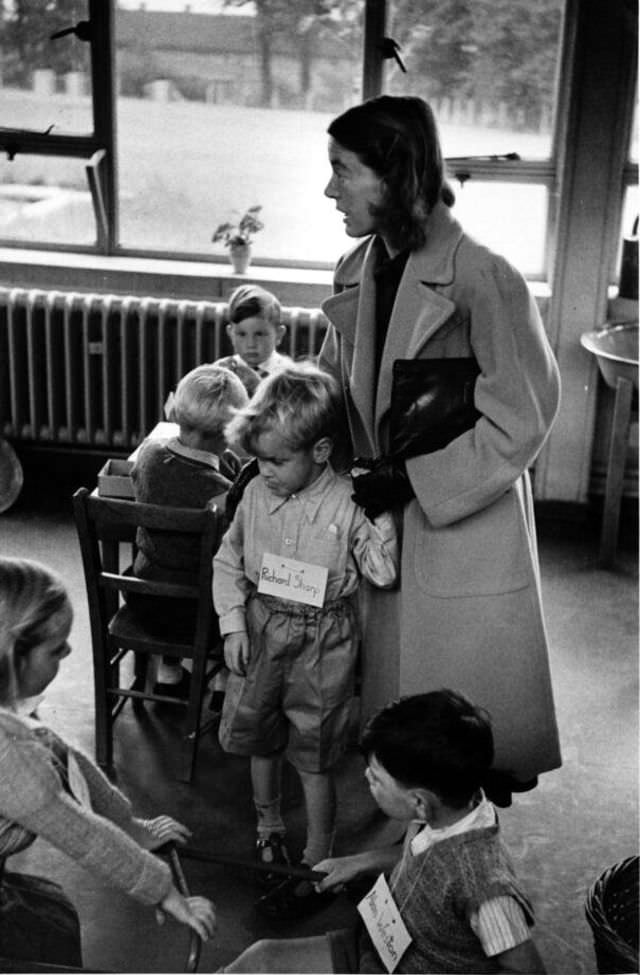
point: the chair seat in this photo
(173, 640)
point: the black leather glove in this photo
(385, 487)
(235, 492)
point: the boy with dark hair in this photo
(452, 890)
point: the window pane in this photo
(488, 68)
(486, 210)
(629, 226)
(46, 84)
(222, 110)
(47, 200)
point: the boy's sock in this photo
(319, 847)
(269, 819)
(169, 673)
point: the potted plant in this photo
(236, 235)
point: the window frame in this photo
(100, 148)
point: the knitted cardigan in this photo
(34, 802)
(436, 893)
(163, 476)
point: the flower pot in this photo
(240, 257)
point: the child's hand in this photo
(163, 829)
(237, 652)
(198, 912)
(339, 871)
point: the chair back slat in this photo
(172, 590)
(112, 513)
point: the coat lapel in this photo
(418, 312)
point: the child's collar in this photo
(205, 457)
(482, 816)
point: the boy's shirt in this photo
(500, 922)
(273, 362)
(249, 376)
(459, 897)
(321, 525)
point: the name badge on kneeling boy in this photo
(302, 582)
(386, 928)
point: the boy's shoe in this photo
(292, 898)
(271, 850)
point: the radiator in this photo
(94, 370)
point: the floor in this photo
(580, 820)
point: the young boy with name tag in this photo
(447, 899)
(285, 586)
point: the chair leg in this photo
(192, 723)
(615, 472)
(144, 671)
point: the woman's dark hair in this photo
(397, 137)
(437, 741)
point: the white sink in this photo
(616, 349)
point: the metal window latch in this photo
(389, 49)
(82, 30)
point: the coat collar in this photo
(434, 263)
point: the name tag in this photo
(386, 928)
(302, 582)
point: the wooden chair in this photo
(104, 525)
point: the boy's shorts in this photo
(298, 689)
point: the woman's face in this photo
(355, 188)
(40, 665)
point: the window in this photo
(489, 70)
(145, 125)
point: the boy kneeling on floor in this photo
(452, 900)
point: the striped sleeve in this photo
(500, 924)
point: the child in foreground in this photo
(285, 582)
(50, 789)
(451, 881)
(186, 471)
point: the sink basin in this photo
(616, 349)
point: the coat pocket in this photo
(486, 554)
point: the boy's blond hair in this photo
(205, 399)
(299, 402)
(252, 301)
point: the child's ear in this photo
(423, 801)
(230, 329)
(322, 450)
(281, 331)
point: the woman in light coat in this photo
(468, 612)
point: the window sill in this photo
(195, 280)
(191, 280)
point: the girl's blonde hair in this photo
(299, 402)
(206, 397)
(30, 594)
